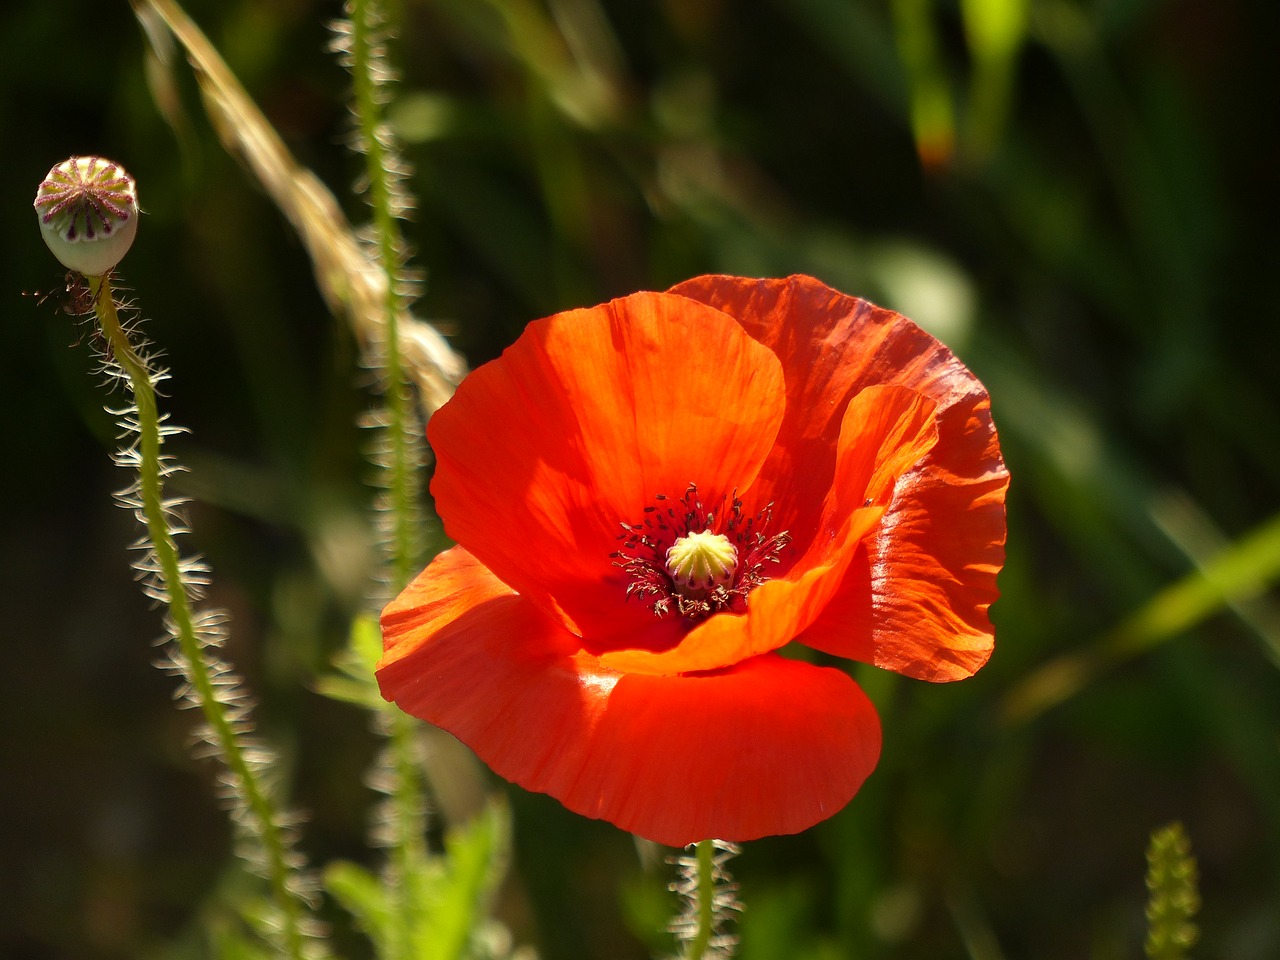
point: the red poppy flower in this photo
(651, 498)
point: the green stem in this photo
(179, 602)
(706, 900)
(408, 849)
(400, 483)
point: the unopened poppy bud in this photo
(88, 210)
(702, 561)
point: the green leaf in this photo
(1239, 573)
(445, 898)
(363, 896)
(354, 680)
(457, 897)
(995, 28)
(229, 945)
(932, 114)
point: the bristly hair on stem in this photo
(400, 820)
(361, 43)
(708, 902)
(265, 833)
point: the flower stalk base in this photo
(709, 898)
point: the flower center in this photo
(684, 558)
(701, 562)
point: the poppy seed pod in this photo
(88, 210)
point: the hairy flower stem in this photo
(403, 825)
(183, 622)
(706, 900)
(401, 488)
(709, 896)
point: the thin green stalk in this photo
(406, 802)
(706, 900)
(190, 631)
(709, 896)
(366, 68)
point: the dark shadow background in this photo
(1092, 229)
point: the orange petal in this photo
(543, 453)
(884, 433)
(771, 746)
(915, 600)
(918, 597)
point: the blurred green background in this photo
(1079, 196)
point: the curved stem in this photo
(183, 621)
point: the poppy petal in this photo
(770, 746)
(885, 431)
(587, 417)
(920, 607)
(917, 597)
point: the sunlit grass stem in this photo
(186, 629)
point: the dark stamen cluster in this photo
(643, 554)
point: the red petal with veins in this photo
(590, 414)
(769, 746)
(916, 599)
(884, 432)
